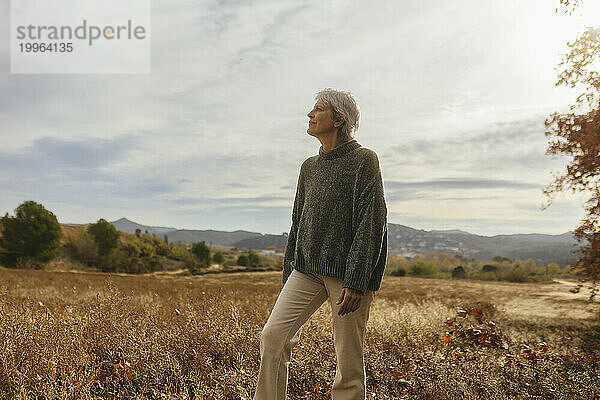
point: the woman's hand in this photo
(350, 301)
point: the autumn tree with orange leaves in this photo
(577, 134)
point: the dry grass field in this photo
(68, 335)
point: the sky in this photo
(453, 98)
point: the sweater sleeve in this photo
(369, 244)
(291, 241)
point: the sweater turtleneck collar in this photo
(339, 150)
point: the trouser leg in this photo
(349, 332)
(300, 297)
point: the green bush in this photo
(201, 251)
(459, 273)
(177, 252)
(489, 268)
(120, 260)
(242, 260)
(422, 267)
(33, 233)
(162, 249)
(398, 272)
(515, 274)
(253, 260)
(152, 240)
(132, 258)
(82, 247)
(147, 250)
(218, 257)
(192, 264)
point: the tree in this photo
(242, 260)
(202, 251)
(553, 269)
(577, 134)
(489, 268)
(530, 265)
(81, 246)
(218, 257)
(33, 233)
(253, 259)
(419, 266)
(105, 235)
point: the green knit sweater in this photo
(339, 218)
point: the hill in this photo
(404, 239)
(128, 226)
(540, 247)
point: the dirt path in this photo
(555, 301)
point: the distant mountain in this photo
(262, 241)
(449, 231)
(210, 237)
(128, 226)
(542, 248)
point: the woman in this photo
(336, 250)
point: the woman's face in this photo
(320, 121)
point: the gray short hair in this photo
(343, 108)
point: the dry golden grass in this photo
(68, 335)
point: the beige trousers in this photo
(301, 295)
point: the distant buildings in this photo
(270, 252)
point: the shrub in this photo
(191, 263)
(459, 273)
(162, 249)
(515, 274)
(130, 249)
(398, 272)
(202, 251)
(553, 269)
(105, 235)
(253, 259)
(33, 233)
(119, 261)
(146, 250)
(218, 257)
(242, 260)
(83, 248)
(489, 268)
(421, 267)
(177, 252)
(132, 258)
(152, 240)
(26, 263)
